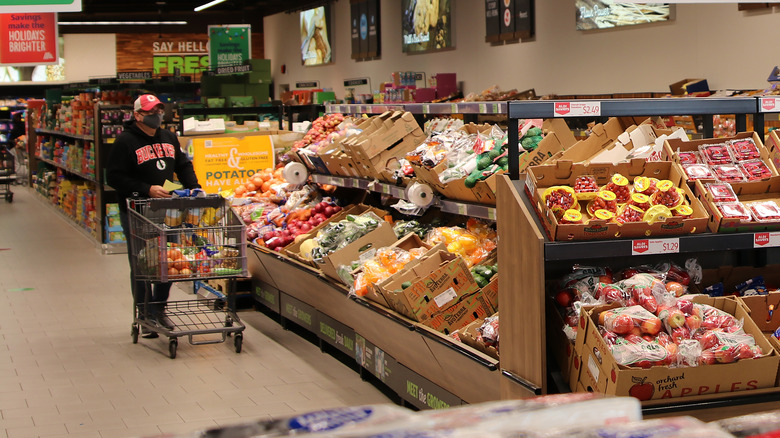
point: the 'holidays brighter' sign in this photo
(28, 39)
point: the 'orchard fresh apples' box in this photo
(601, 373)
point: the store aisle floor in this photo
(68, 366)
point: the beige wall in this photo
(89, 56)
(732, 49)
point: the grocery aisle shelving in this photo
(70, 369)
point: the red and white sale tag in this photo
(766, 240)
(655, 246)
(577, 109)
(769, 105)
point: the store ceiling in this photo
(228, 12)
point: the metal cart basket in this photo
(7, 174)
(184, 239)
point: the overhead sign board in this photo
(8, 6)
(28, 39)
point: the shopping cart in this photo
(7, 174)
(185, 239)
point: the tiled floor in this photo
(68, 367)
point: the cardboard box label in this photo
(593, 368)
(445, 297)
(655, 246)
(577, 109)
(766, 240)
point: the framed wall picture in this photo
(316, 38)
(605, 14)
(426, 25)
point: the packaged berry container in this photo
(571, 216)
(721, 192)
(744, 149)
(716, 153)
(604, 200)
(727, 173)
(734, 210)
(755, 170)
(764, 211)
(640, 200)
(645, 185)
(697, 171)
(629, 213)
(690, 157)
(585, 187)
(667, 195)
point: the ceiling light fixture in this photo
(208, 5)
(120, 23)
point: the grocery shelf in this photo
(638, 107)
(67, 169)
(448, 206)
(536, 109)
(421, 108)
(65, 134)
(106, 248)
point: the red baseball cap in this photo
(147, 102)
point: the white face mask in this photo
(153, 120)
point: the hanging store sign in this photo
(229, 45)
(27, 6)
(226, 162)
(28, 39)
(183, 56)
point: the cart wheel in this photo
(134, 333)
(238, 341)
(9, 197)
(172, 347)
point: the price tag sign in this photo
(491, 214)
(454, 108)
(766, 240)
(426, 109)
(483, 108)
(495, 108)
(655, 246)
(462, 209)
(577, 109)
(769, 105)
(385, 189)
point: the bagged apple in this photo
(633, 350)
(634, 319)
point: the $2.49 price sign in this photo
(655, 246)
(577, 109)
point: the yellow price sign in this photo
(226, 162)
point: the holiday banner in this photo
(225, 162)
(28, 39)
(229, 45)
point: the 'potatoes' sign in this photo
(225, 162)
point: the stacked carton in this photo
(377, 150)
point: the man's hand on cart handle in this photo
(158, 192)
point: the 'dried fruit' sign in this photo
(226, 162)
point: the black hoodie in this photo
(138, 161)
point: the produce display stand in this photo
(419, 364)
(530, 261)
(149, 244)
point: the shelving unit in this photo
(446, 205)
(469, 110)
(103, 193)
(530, 262)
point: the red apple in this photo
(708, 340)
(641, 390)
(726, 354)
(686, 306)
(651, 326)
(707, 357)
(675, 318)
(621, 324)
(565, 297)
(680, 334)
(693, 322)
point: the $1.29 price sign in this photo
(655, 246)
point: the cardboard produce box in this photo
(438, 281)
(558, 137)
(766, 320)
(602, 135)
(293, 250)
(468, 309)
(773, 146)
(469, 335)
(539, 178)
(380, 166)
(768, 190)
(672, 147)
(601, 373)
(360, 249)
(408, 242)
